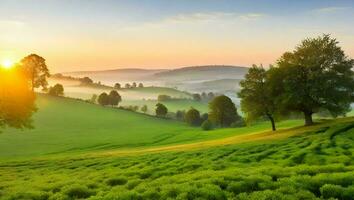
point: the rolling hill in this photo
(65, 125)
(103, 153)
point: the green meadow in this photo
(84, 151)
(65, 125)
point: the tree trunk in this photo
(308, 118)
(273, 122)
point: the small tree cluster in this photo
(56, 90)
(134, 85)
(163, 97)
(113, 98)
(203, 96)
(86, 81)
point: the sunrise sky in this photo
(95, 35)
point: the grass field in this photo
(315, 163)
(64, 126)
(84, 151)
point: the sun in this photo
(7, 64)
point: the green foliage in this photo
(180, 115)
(222, 111)
(37, 70)
(239, 123)
(258, 98)
(192, 117)
(161, 110)
(56, 90)
(197, 97)
(316, 75)
(252, 170)
(103, 99)
(163, 97)
(117, 181)
(114, 98)
(207, 125)
(53, 134)
(144, 108)
(77, 191)
(17, 100)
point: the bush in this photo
(239, 123)
(207, 125)
(77, 191)
(117, 181)
(329, 190)
(56, 90)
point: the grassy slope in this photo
(315, 162)
(66, 126)
(172, 106)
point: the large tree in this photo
(222, 111)
(16, 99)
(37, 70)
(316, 75)
(257, 96)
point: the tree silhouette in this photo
(37, 70)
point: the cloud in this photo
(252, 16)
(333, 9)
(214, 16)
(11, 23)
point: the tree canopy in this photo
(103, 99)
(114, 98)
(222, 111)
(161, 110)
(37, 70)
(316, 75)
(17, 100)
(257, 96)
(56, 90)
(192, 117)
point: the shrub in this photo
(77, 191)
(132, 184)
(56, 90)
(207, 125)
(329, 190)
(117, 181)
(239, 123)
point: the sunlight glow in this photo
(7, 64)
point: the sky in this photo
(96, 35)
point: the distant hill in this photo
(109, 77)
(209, 72)
(125, 70)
